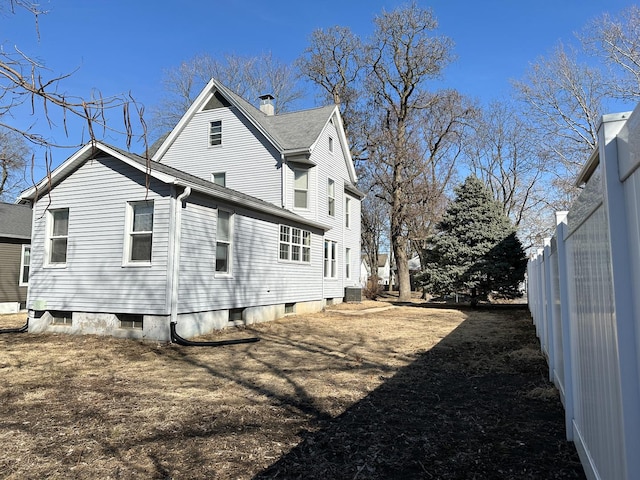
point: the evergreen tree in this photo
(476, 250)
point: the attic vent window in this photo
(331, 144)
(215, 133)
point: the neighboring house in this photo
(365, 272)
(384, 269)
(241, 216)
(15, 240)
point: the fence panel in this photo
(585, 305)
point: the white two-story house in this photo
(239, 216)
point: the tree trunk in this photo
(399, 246)
(402, 264)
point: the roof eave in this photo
(252, 205)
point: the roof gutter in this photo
(254, 205)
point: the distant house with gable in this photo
(239, 216)
(15, 250)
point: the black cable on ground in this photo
(175, 338)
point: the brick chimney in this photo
(266, 104)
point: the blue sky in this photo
(121, 46)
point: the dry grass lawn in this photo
(405, 392)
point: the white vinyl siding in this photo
(252, 165)
(91, 281)
(342, 217)
(258, 277)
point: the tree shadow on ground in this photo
(476, 406)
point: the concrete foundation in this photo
(156, 327)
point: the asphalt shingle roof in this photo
(293, 130)
(15, 221)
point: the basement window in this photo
(61, 318)
(289, 308)
(236, 314)
(128, 320)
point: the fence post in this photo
(548, 306)
(565, 321)
(623, 293)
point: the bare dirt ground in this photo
(356, 392)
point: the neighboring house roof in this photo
(164, 174)
(15, 221)
(291, 133)
(382, 259)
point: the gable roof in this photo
(15, 221)
(165, 174)
(290, 133)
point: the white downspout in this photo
(283, 174)
(175, 273)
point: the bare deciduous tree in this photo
(249, 77)
(334, 62)
(445, 128)
(564, 100)
(14, 157)
(616, 40)
(27, 84)
(403, 55)
(504, 154)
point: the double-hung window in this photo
(295, 244)
(331, 197)
(140, 235)
(25, 262)
(58, 236)
(330, 259)
(347, 263)
(215, 133)
(224, 236)
(301, 188)
(347, 212)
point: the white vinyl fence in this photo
(584, 295)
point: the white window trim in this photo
(229, 243)
(22, 281)
(290, 244)
(47, 245)
(209, 134)
(128, 232)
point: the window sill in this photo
(136, 264)
(55, 265)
